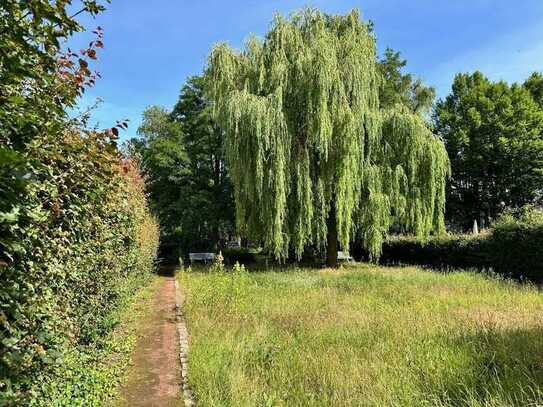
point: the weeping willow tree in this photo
(312, 157)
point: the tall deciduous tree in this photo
(211, 195)
(182, 155)
(165, 163)
(534, 84)
(493, 134)
(400, 88)
(312, 157)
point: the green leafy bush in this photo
(516, 244)
(513, 247)
(85, 238)
(458, 251)
(240, 255)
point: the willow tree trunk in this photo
(332, 242)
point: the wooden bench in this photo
(205, 257)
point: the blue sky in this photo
(152, 46)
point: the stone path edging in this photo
(188, 394)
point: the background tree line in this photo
(181, 152)
(492, 132)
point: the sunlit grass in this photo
(363, 335)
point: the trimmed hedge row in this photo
(515, 246)
(458, 251)
(85, 240)
(240, 255)
(512, 247)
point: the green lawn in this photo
(363, 335)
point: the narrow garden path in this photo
(155, 376)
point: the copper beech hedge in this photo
(84, 238)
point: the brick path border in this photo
(182, 331)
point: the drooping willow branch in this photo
(300, 111)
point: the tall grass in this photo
(361, 336)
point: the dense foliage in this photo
(241, 255)
(443, 252)
(37, 85)
(312, 158)
(182, 155)
(400, 88)
(515, 244)
(75, 231)
(493, 132)
(164, 162)
(511, 247)
(89, 237)
(534, 84)
(209, 216)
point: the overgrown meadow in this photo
(363, 335)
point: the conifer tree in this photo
(312, 157)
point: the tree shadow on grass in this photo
(492, 367)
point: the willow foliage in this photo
(306, 138)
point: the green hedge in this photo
(83, 240)
(515, 246)
(240, 255)
(512, 247)
(458, 251)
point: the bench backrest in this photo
(201, 256)
(343, 256)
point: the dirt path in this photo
(154, 378)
